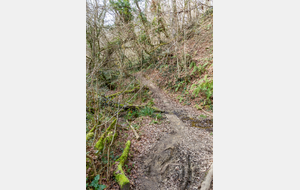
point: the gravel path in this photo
(170, 155)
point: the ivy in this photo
(95, 183)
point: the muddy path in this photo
(182, 156)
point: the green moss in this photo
(125, 91)
(124, 155)
(120, 176)
(111, 125)
(100, 144)
(157, 110)
(89, 135)
(92, 130)
(111, 136)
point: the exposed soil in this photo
(174, 155)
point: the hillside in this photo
(199, 50)
(149, 96)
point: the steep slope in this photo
(196, 90)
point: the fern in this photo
(195, 69)
(205, 86)
(201, 68)
(192, 64)
(179, 85)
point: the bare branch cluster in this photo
(123, 36)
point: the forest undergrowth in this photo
(173, 50)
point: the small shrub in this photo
(154, 122)
(203, 116)
(178, 86)
(96, 185)
(147, 111)
(199, 107)
(131, 114)
(158, 116)
(205, 86)
(150, 103)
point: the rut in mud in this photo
(181, 157)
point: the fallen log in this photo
(119, 174)
(108, 102)
(134, 107)
(124, 92)
(207, 181)
(135, 133)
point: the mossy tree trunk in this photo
(119, 174)
(107, 136)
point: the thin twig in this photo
(136, 135)
(93, 164)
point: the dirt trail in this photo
(181, 157)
